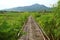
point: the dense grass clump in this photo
(50, 22)
(11, 25)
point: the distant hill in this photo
(34, 7)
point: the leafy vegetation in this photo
(11, 25)
(49, 22)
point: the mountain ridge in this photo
(34, 7)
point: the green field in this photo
(12, 23)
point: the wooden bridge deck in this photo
(33, 31)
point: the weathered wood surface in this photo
(33, 31)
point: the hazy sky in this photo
(15, 3)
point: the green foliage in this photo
(11, 25)
(57, 8)
(50, 23)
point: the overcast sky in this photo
(16, 3)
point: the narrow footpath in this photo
(33, 31)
